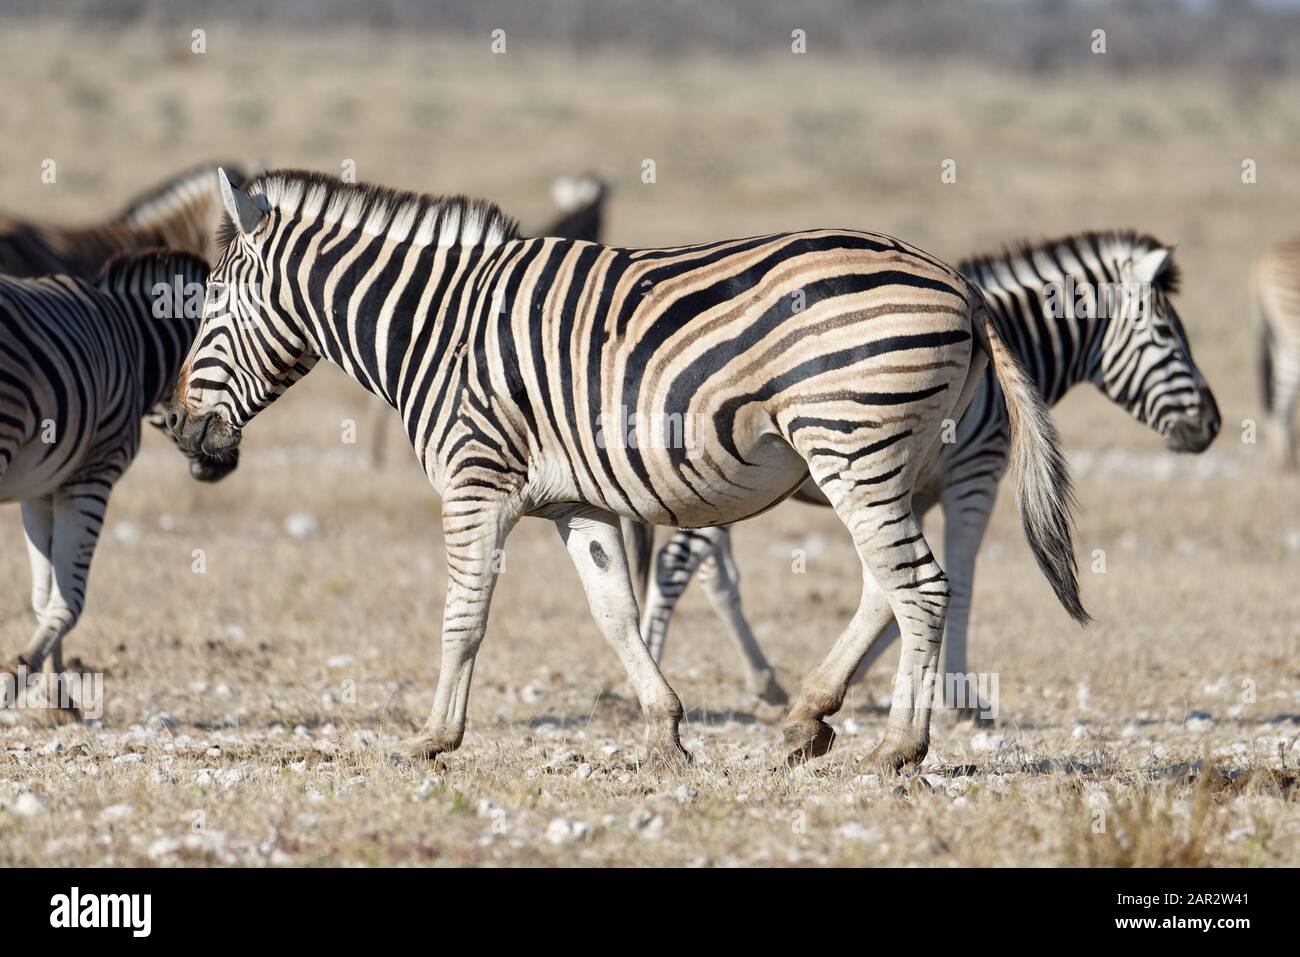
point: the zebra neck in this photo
(163, 345)
(1059, 352)
(400, 351)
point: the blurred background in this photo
(758, 116)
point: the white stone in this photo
(853, 831)
(115, 812)
(985, 741)
(562, 830)
(28, 805)
(301, 525)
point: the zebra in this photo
(81, 364)
(526, 371)
(179, 214)
(1139, 357)
(581, 202)
(1276, 282)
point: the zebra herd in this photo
(609, 390)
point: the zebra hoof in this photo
(807, 739)
(11, 677)
(424, 746)
(668, 756)
(899, 750)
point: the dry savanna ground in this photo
(252, 697)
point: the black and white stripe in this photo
(81, 365)
(690, 386)
(1137, 355)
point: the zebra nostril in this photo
(174, 418)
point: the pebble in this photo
(115, 812)
(562, 830)
(301, 525)
(28, 805)
(646, 823)
(985, 741)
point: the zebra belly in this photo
(695, 495)
(35, 472)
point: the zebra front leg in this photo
(475, 529)
(674, 566)
(38, 528)
(720, 576)
(596, 546)
(62, 533)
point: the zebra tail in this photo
(1042, 476)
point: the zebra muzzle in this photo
(204, 436)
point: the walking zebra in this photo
(546, 377)
(1277, 294)
(1137, 355)
(581, 203)
(80, 365)
(179, 214)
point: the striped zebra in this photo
(582, 383)
(581, 202)
(179, 214)
(81, 364)
(1277, 295)
(1137, 355)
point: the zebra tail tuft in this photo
(1043, 489)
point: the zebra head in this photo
(247, 351)
(1144, 363)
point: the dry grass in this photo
(249, 707)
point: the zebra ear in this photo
(243, 210)
(1153, 265)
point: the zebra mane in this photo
(1112, 247)
(418, 218)
(176, 193)
(140, 271)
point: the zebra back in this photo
(181, 213)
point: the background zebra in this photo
(517, 365)
(1277, 294)
(179, 214)
(80, 365)
(1137, 355)
(581, 202)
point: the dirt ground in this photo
(266, 639)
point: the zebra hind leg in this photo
(871, 494)
(595, 544)
(720, 576)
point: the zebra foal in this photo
(81, 364)
(1129, 343)
(526, 371)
